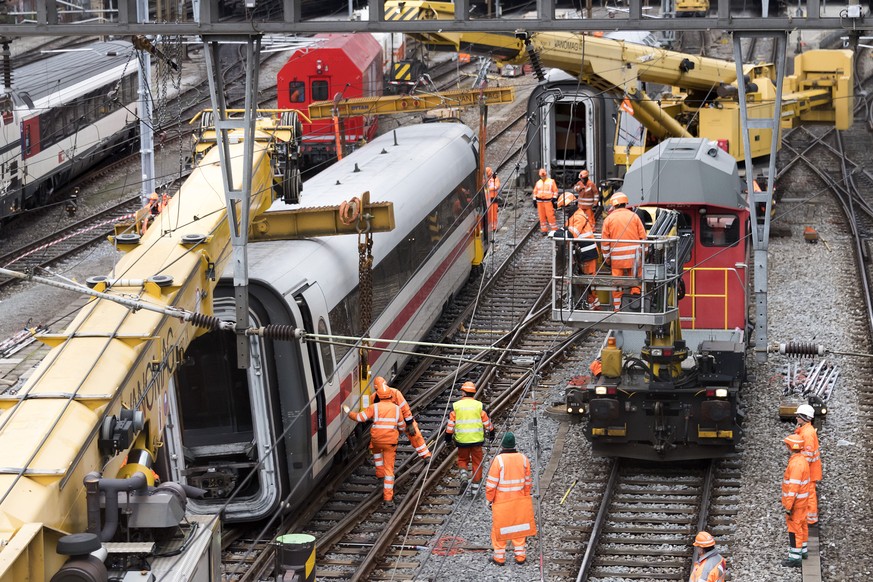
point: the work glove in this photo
(491, 434)
(448, 438)
(534, 202)
(410, 431)
(346, 409)
(554, 203)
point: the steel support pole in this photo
(760, 228)
(237, 189)
(146, 133)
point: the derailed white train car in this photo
(254, 438)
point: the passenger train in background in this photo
(61, 116)
(252, 437)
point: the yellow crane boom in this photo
(388, 105)
(703, 101)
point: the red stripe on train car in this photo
(334, 406)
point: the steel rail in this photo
(599, 523)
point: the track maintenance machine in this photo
(666, 384)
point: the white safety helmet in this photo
(806, 411)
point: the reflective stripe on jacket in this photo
(545, 189)
(811, 449)
(398, 399)
(587, 193)
(386, 422)
(468, 422)
(623, 224)
(493, 188)
(582, 228)
(795, 483)
(508, 477)
(710, 567)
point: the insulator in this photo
(802, 349)
(534, 60)
(206, 321)
(278, 332)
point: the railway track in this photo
(644, 523)
(66, 241)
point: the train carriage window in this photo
(719, 230)
(296, 91)
(341, 324)
(320, 91)
(326, 355)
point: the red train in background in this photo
(347, 64)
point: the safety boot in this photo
(474, 489)
(792, 563)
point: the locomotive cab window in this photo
(297, 91)
(320, 91)
(719, 230)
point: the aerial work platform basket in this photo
(657, 275)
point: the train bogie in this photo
(254, 438)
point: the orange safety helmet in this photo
(618, 198)
(566, 199)
(583, 174)
(543, 173)
(794, 442)
(382, 390)
(468, 387)
(704, 540)
(153, 196)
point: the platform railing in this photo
(656, 275)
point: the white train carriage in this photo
(62, 115)
(254, 437)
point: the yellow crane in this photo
(702, 100)
(399, 104)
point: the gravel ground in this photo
(800, 310)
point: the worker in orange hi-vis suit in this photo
(492, 189)
(812, 452)
(544, 192)
(389, 394)
(624, 258)
(582, 229)
(709, 566)
(507, 490)
(384, 434)
(795, 492)
(466, 428)
(588, 195)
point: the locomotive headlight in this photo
(569, 410)
(657, 352)
(823, 410)
(721, 393)
(600, 390)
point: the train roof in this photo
(685, 171)
(66, 69)
(409, 166)
(359, 48)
